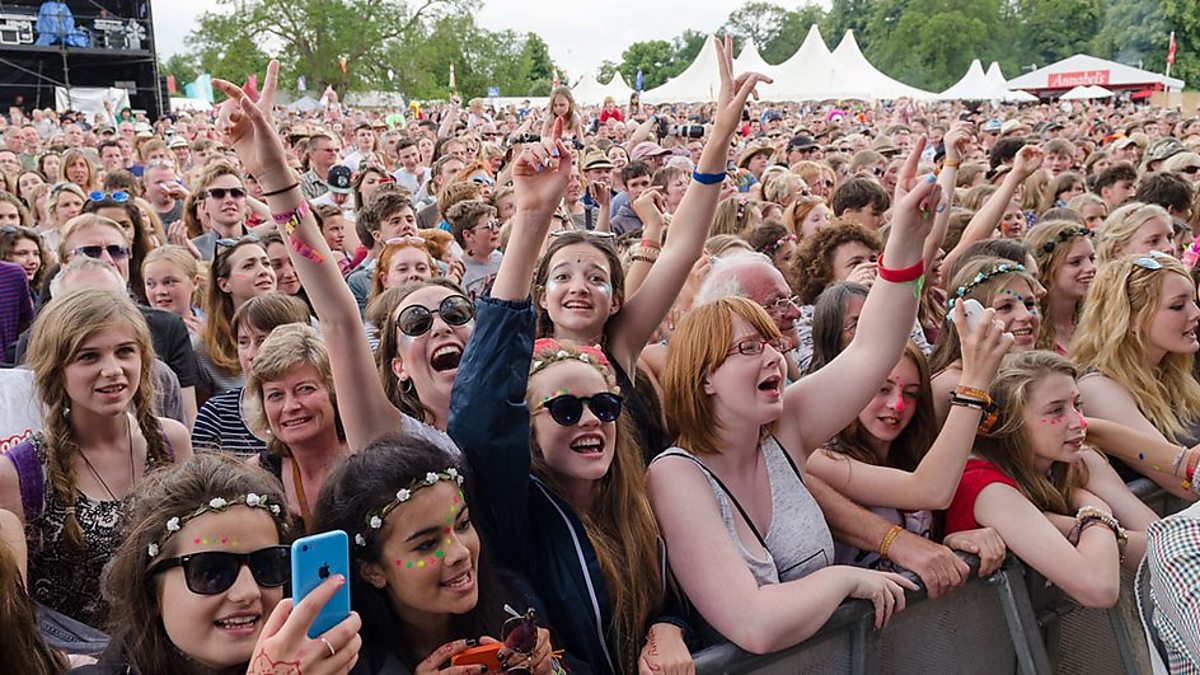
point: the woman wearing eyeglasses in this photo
(240, 270)
(203, 572)
(1136, 341)
(731, 499)
(91, 354)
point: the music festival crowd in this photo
(667, 375)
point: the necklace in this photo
(305, 514)
(88, 462)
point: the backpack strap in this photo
(30, 479)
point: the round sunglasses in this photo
(567, 409)
(416, 320)
(213, 572)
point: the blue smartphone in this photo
(314, 559)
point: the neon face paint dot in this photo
(420, 563)
(432, 561)
(196, 540)
(439, 554)
(408, 564)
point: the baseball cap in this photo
(647, 149)
(992, 125)
(801, 142)
(1164, 148)
(340, 177)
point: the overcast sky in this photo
(581, 35)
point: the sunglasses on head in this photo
(1151, 261)
(411, 239)
(483, 180)
(219, 193)
(114, 251)
(119, 196)
(416, 320)
(230, 243)
(567, 409)
(591, 233)
(213, 572)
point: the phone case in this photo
(483, 655)
(313, 560)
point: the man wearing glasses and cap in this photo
(803, 148)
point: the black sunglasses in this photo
(219, 193)
(115, 251)
(213, 572)
(416, 320)
(567, 409)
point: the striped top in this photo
(219, 426)
(16, 305)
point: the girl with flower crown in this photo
(197, 586)
(564, 494)
(1000, 285)
(1066, 260)
(90, 353)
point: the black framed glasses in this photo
(1190, 170)
(567, 409)
(493, 225)
(220, 193)
(416, 320)
(114, 251)
(213, 572)
(119, 196)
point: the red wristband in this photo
(650, 243)
(902, 276)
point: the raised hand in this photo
(283, 646)
(734, 90)
(250, 132)
(1028, 160)
(983, 348)
(541, 171)
(957, 141)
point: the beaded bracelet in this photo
(972, 392)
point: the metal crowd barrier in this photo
(1011, 622)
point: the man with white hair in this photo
(754, 276)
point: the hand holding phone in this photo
(314, 559)
(973, 311)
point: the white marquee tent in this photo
(1082, 69)
(589, 91)
(880, 86)
(751, 61)
(699, 82)
(810, 74)
(975, 85)
(1085, 92)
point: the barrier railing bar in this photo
(1123, 639)
(1022, 625)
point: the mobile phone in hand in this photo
(315, 559)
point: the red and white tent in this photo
(1084, 70)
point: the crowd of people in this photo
(667, 375)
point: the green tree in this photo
(791, 33)
(1183, 17)
(916, 50)
(1055, 29)
(182, 66)
(654, 58)
(315, 36)
(758, 21)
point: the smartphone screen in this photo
(314, 559)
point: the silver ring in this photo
(332, 651)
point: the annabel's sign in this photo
(1077, 78)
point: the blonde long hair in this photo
(1111, 338)
(1122, 225)
(59, 332)
(1007, 446)
(620, 526)
(1051, 243)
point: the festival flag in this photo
(171, 87)
(1171, 50)
(555, 81)
(638, 85)
(453, 82)
(301, 83)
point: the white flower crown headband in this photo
(214, 505)
(374, 521)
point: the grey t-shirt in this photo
(479, 276)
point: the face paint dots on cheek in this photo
(1050, 421)
(423, 562)
(213, 541)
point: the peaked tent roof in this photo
(975, 85)
(589, 91)
(809, 75)
(996, 75)
(751, 61)
(699, 82)
(879, 85)
(1083, 92)
(1082, 69)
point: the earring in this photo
(407, 386)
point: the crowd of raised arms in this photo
(667, 376)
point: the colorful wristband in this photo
(305, 250)
(707, 178)
(290, 220)
(901, 276)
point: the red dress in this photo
(977, 475)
